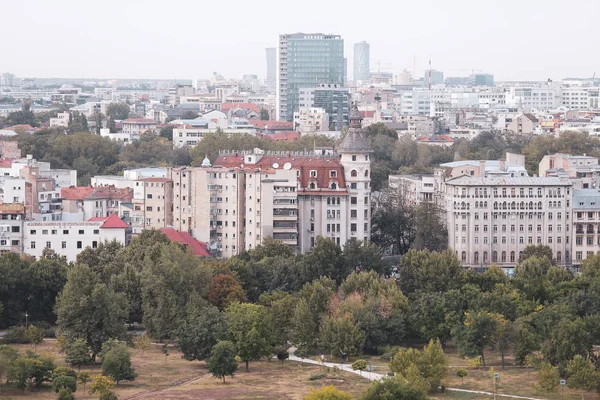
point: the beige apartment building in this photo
(152, 204)
(491, 220)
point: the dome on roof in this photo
(206, 162)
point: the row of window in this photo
(513, 240)
(503, 257)
(63, 245)
(463, 228)
(55, 231)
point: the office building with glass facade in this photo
(334, 99)
(304, 61)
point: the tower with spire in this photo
(355, 156)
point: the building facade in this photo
(334, 99)
(362, 61)
(305, 60)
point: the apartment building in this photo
(81, 203)
(491, 220)
(586, 224)
(61, 120)
(135, 127)
(152, 204)
(311, 120)
(12, 217)
(583, 171)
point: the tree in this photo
(380, 129)
(142, 342)
(359, 365)
(118, 111)
(361, 256)
(8, 355)
(200, 332)
(264, 114)
(431, 232)
(101, 384)
(477, 332)
(327, 393)
(65, 394)
(225, 290)
(392, 222)
(393, 389)
(325, 259)
(90, 310)
(428, 271)
(189, 115)
(429, 366)
(548, 379)
(77, 122)
(341, 334)
(539, 250)
(582, 373)
(117, 364)
(249, 330)
(283, 355)
(77, 353)
(64, 382)
(165, 350)
(84, 378)
(108, 396)
(462, 373)
(35, 335)
(222, 362)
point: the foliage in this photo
(283, 355)
(101, 384)
(118, 111)
(142, 342)
(90, 310)
(108, 396)
(225, 290)
(327, 393)
(64, 382)
(116, 364)
(8, 355)
(548, 379)
(582, 374)
(200, 332)
(65, 394)
(430, 366)
(249, 330)
(393, 389)
(428, 271)
(462, 373)
(316, 377)
(476, 333)
(341, 334)
(16, 334)
(84, 378)
(359, 365)
(222, 362)
(31, 369)
(34, 335)
(77, 353)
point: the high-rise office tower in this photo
(361, 61)
(271, 53)
(305, 60)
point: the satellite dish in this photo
(287, 165)
(275, 165)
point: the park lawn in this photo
(181, 379)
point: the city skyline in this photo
(459, 39)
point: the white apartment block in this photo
(309, 120)
(491, 220)
(61, 120)
(586, 224)
(135, 127)
(71, 238)
(12, 217)
(190, 137)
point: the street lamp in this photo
(26, 315)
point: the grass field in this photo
(180, 379)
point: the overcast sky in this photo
(513, 39)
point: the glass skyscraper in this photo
(306, 60)
(361, 62)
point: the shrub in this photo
(359, 365)
(64, 382)
(474, 362)
(327, 393)
(316, 377)
(549, 379)
(582, 374)
(389, 354)
(461, 373)
(15, 334)
(65, 394)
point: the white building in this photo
(61, 120)
(71, 238)
(311, 120)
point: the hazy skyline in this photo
(514, 40)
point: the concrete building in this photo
(71, 238)
(437, 78)
(362, 61)
(12, 217)
(491, 220)
(137, 126)
(305, 60)
(152, 204)
(585, 225)
(479, 79)
(61, 120)
(85, 202)
(583, 171)
(334, 99)
(271, 56)
(309, 120)
(526, 124)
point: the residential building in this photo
(417, 189)
(362, 61)
(583, 171)
(303, 61)
(69, 238)
(12, 217)
(311, 120)
(197, 247)
(491, 220)
(137, 126)
(61, 120)
(479, 79)
(85, 202)
(585, 225)
(332, 98)
(526, 124)
(152, 204)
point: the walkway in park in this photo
(374, 376)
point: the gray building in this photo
(482, 80)
(361, 61)
(334, 99)
(271, 53)
(306, 60)
(437, 77)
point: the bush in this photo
(461, 373)
(316, 377)
(393, 388)
(50, 333)
(359, 365)
(549, 379)
(16, 335)
(64, 382)
(582, 374)
(65, 394)
(388, 355)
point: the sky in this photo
(512, 39)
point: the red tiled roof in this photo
(111, 222)
(305, 164)
(287, 136)
(246, 106)
(76, 192)
(276, 125)
(98, 192)
(6, 162)
(197, 247)
(138, 121)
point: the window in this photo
(96, 231)
(353, 185)
(44, 231)
(63, 245)
(313, 173)
(81, 231)
(353, 173)
(512, 256)
(463, 256)
(353, 200)
(32, 245)
(48, 245)
(352, 227)
(65, 231)
(332, 173)
(476, 257)
(354, 157)
(32, 232)
(14, 242)
(352, 213)
(79, 244)
(149, 196)
(94, 244)
(149, 208)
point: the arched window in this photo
(494, 256)
(328, 200)
(485, 257)
(503, 257)
(476, 257)
(485, 204)
(463, 256)
(333, 185)
(540, 205)
(353, 173)
(512, 256)
(366, 173)
(512, 205)
(312, 185)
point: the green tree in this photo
(548, 379)
(189, 115)
(167, 132)
(280, 307)
(325, 259)
(108, 396)
(428, 271)
(116, 364)
(380, 129)
(393, 389)
(431, 232)
(359, 365)
(35, 335)
(393, 222)
(84, 378)
(283, 355)
(327, 393)
(477, 332)
(77, 353)
(539, 250)
(8, 355)
(582, 373)
(200, 332)
(341, 334)
(249, 330)
(462, 373)
(101, 384)
(142, 342)
(222, 362)
(118, 111)
(90, 310)
(65, 394)
(361, 256)
(64, 382)
(429, 366)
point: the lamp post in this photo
(26, 315)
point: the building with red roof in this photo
(272, 126)
(197, 247)
(85, 202)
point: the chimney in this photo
(482, 168)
